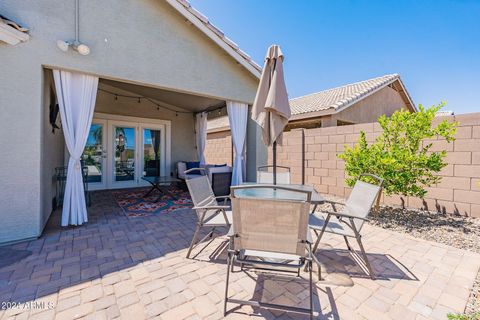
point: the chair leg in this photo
(364, 254)
(229, 262)
(321, 234)
(347, 243)
(194, 239)
(310, 267)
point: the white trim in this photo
(407, 95)
(214, 37)
(11, 35)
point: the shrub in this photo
(398, 155)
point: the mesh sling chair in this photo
(270, 234)
(264, 175)
(209, 213)
(348, 222)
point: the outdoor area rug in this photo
(134, 205)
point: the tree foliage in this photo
(401, 154)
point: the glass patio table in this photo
(161, 183)
(280, 194)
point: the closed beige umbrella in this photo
(271, 109)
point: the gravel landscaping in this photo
(456, 231)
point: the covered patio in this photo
(123, 267)
(137, 132)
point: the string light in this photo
(155, 104)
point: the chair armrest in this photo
(334, 202)
(223, 197)
(202, 170)
(343, 215)
(211, 208)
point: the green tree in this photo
(398, 155)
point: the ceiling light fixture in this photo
(76, 45)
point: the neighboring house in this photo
(165, 52)
(360, 102)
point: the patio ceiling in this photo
(180, 100)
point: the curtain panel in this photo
(237, 116)
(201, 136)
(76, 95)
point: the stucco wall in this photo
(143, 42)
(385, 101)
(53, 146)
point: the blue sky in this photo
(433, 44)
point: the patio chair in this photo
(348, 223)
(265, 174)
(209, 213)
(270, 234)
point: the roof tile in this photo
(339, 97)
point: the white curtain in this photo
(201, 136)
(76, 94)
(237, 116)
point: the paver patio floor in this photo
(135, 268)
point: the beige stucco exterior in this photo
(140, 42)
(384, 102)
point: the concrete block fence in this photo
(457, 193)
(219, 148)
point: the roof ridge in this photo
(393, 75)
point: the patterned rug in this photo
(134, 204)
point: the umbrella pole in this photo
(275, 162)
(303, 156)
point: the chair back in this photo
(362, 198)
(201, 192)
(270, 225)
(265, 174)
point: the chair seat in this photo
(267, 255)
(217, 219)
(334, 225)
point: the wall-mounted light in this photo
(81, 48)
(76, 45)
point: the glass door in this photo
(124, 150)
(153, 151)
(94, 155)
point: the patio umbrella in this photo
(271, 109)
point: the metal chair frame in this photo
(202, 208)
(349, 221)
(237, 256)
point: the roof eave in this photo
(313, 114)
(12, 36)
(407, 95)
(214, 37)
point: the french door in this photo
(119, 153)
(95, 155)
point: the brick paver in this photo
(135, 268)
